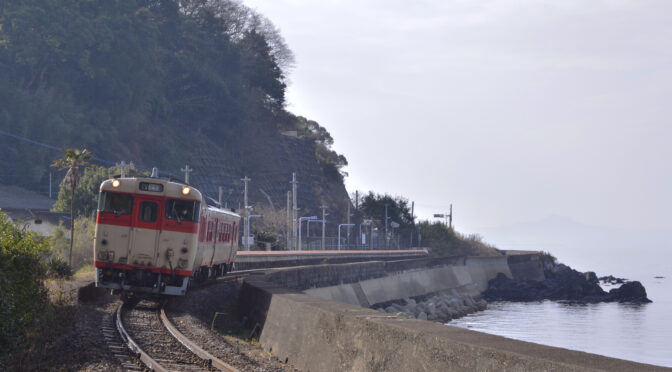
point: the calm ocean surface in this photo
(640, 333)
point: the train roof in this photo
(147, 186)
(223, 211)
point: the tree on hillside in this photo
(72, 160)
(86, 197)
(331, 162)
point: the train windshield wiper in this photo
(175, 214)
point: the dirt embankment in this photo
(72, 338)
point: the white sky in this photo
(509, 110)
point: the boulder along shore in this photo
(563, 283)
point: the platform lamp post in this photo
(364, 223)
(301, 219)
(247, 233)
(339, 233)
(308, 227)
(394, 226)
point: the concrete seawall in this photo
(318, 334)
(468, 275)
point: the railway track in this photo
(145, 328)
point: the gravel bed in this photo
(193, 316)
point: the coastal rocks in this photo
(612, 280)
(440, 308)
(629, 292)
(591, 277)
(562, 283)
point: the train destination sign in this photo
(153, 187)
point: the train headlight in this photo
(115, 183)
(186, 190)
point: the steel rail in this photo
(144, 357)
(211, 359)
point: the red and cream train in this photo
(154, 236)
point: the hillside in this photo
(160, 83)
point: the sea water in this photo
(633, 332)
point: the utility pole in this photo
(246, 220)
(412, 223)
(49, 185)
(450, 225)
(294, 210)
(123, 167)
(356, 200)
(347, 239)
(386, 238)
(186, 171)
(324, 221)
(220, 196)
(289, 220)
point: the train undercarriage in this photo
(145, 282)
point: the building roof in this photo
(19, 198)
(43, 216)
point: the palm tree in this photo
(72, 161)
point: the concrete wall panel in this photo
(340, 293)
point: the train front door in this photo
(146, 230)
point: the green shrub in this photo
(23, 297)
(445, 241)
(58, 268)
(267, 236)
(82, 251)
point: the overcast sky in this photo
(510, 110)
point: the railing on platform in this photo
(314, 243)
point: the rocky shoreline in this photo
(563, 283)
(440, 308)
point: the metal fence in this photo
(314, 243)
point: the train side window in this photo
(115, 203)
(209, 237)
(227, 232)
(201, 235)
(148, 211)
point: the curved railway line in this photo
(145, 328)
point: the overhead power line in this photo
(25, 139)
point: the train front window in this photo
(182, 210)
(115, 203)
(148, 211)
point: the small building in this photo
(31, 210)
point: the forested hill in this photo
(159, 82)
